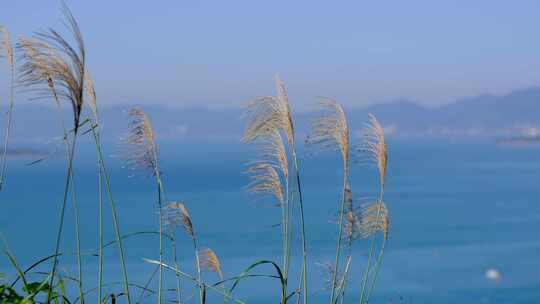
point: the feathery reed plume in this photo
(375, 147)
(373, 218)
(179, 215)
(6, 49)
(173, 217)
(65, 68)
(265, 180)
(331, 130)
(91, 96)
(328, 270)
(34, 72)
(141, 138)
(176, 214)
(269, 113)
(266, 117)
(210, 261)
(49, 57)
(271, 149)
(143, 154)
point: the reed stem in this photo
(62, 214)
(160, 203)
(175, 259)
(340, 235)
(198, 265)
(118, 235)
(302, 229)
(377, 268)
(8, 126)
(371, 251)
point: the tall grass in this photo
(64, 65)
(145, 155)
(103, 176)
(374, 145)
(54, 68)
(268, 118)
(331, 130)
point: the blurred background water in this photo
(457, 210)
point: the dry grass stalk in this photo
(373, 218)
(331, 130)
(375, 146)
(141, 138)
(210, 261)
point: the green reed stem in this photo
(198, 265)
(340, 235)
(100, 230)
(71, 153)
(8, 126)
(78, 237)
(377, 268)
(371, 251)
(118, 235)
(160, 203)
(176, 265)
(302, 228)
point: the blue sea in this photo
(457, 209)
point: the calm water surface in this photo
(457, 210)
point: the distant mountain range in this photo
(486, 115)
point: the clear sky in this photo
(223, 53)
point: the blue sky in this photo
(223, 53)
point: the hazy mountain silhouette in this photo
(485, 115)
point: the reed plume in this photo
(176, 214)
(331, 130)
(265, 180)
(91, 99)
(374, 145)
(6, 50)
(210, 261)
(144, 154)
(267, 116)
(375, 215)
(179, 215)
(269, 113)
(373, 218)
(52, 59)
